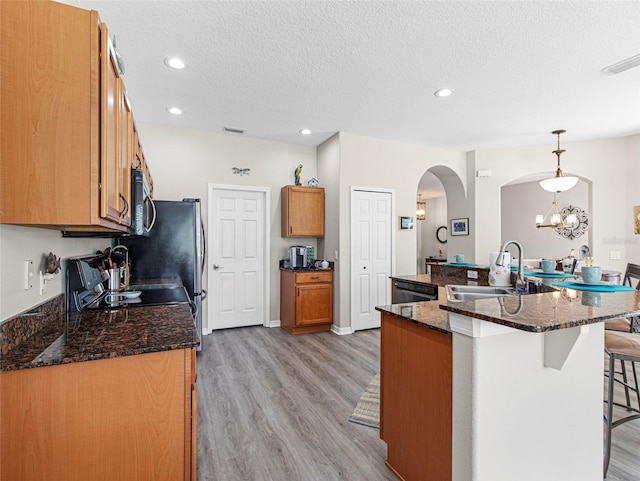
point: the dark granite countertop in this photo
(94, 334)
(549, 311)
(560, 309)
(427, 314)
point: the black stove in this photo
(148, 297)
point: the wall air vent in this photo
(233, 130)
(622, 66)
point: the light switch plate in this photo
(472, 274)
(29, 273)
(615, 255)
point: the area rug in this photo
(367, 410)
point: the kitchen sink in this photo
(473, 293)
(146, 287)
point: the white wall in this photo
(328, 155)
(609, 163)
(521, 203)
(370, 162)
(632, 198)
(18, 244)
(183, 162)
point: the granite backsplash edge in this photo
(43, 318)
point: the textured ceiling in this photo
(518, 69)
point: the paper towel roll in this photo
(500, 275)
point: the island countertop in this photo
(529, 312)
(96, 334)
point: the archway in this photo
(522, 199)
(442, 190)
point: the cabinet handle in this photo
(298, 289)
(125, 209)
(290, 229)
(315, 277)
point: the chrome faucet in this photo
(503, 251)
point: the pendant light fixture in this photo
(559, 183)
(421, 209)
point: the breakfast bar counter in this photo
(506, 388)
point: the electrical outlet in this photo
(335, 255)
(29, 273)
(614, 255)
(472, 274)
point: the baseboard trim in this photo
(341, 331)
(273, 323)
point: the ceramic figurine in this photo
(312, 182)
(53, 264)
(296, 174)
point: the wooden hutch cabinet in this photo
(302, 211)
(306, 301)
(66, 126)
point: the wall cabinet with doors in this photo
(129, 417)
(65, 124)
(306, 301)
(302, 211)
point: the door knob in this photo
(217, 267)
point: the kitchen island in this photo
(102, 394)
(503, 389)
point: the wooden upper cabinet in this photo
(302, 211)
(58, 170)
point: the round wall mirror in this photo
(441, 234)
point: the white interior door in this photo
(237, 263)
(371, 256)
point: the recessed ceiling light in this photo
(443, 92)
(174, 62)
(305, 132)
(174, 110)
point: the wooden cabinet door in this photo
(111, 419)
(125, 158)
(314, 304)
(110, 202)
(302, 211)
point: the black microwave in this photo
(143, 211)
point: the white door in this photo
(371, 248)
(236, 270)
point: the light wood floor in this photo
(275, 407)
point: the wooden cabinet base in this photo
(306, 329)
(416, 395)
(122, 418)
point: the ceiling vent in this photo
(622, 66)
(233, 130)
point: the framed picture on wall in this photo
(636, 220)
(406, 223)
(460, 226)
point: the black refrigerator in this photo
(175, 247)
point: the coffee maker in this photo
(298, 257)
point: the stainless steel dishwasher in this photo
(404, 292)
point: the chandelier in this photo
(421, 209)
(558, 183)
(553, 218)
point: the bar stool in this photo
(622, 324)
(623, 347)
